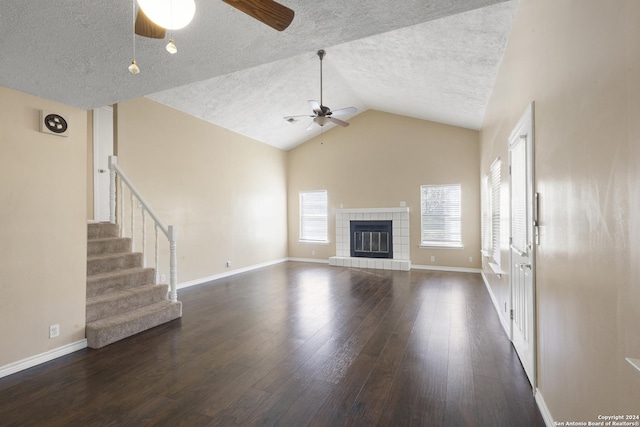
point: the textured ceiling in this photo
(434, 60)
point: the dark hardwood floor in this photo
(296, 344)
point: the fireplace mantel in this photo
(401, 247)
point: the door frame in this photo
(526, 124)
(99, 126)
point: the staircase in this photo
(122, 297)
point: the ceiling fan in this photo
(323, 114)
(269, 12)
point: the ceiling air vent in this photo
(53, 123)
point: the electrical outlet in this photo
(54, 330)
(163, 277)
(433, 258)
(470, 259)
(228, 263)
(313, 253)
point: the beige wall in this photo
(580, 62)
(43, 237)
(379, 161)
(226, 193)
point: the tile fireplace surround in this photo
(400, 226)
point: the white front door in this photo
(523, 232)
(102, 149)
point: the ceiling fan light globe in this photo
(169, 14)
(321, 120)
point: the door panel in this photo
(102, 149)
(522, 266)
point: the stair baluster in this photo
(133, 240)
(144, 238)
(122, 208)
(157, 257)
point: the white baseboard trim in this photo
(544, 410)
(443, 268)
(496, 304)
(316, 260)
(229, 273)
(38, 359)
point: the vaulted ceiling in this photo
(429, 59)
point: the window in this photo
(495, 211)
(313, 216)
(485, 208)
(490, 206)
(441, 210)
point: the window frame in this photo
(495, 174)
(303, 238)
(485, 212)
(441, 244)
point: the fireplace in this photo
(371, 239)
(373, 249)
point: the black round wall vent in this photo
(55, 123)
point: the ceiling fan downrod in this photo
(321, 54)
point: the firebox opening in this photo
(371, 239)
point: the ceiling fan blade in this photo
(338, 122)
(315, 106)
(145, 27)
(311, 126)
(269, 12)
(347, 110)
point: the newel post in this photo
(113, 161)
(173, 264)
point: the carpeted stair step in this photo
(119, 302)
(112, 262)
(114, 281)
(108, 245)
(101, 230)
(111, 329)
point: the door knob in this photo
(102, 170)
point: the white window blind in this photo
(441, 211)
(495, 211)
(485, 208)
(518, 196)
(313, 216)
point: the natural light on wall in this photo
(170, 14)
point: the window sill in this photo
(314, 242)
(496, 269)
(441, 246)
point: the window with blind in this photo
(441, 215)
(519, 235)
(495, 210)
(313, 216)
(485, 209)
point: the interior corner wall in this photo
(43, 236)
(224, 192)
(379, 161)
(580, 62)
